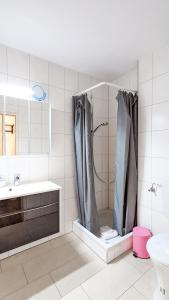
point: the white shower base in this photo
(107, 252)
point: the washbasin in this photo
(27, 189)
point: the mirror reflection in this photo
(24, 126)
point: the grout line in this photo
(24, 273)
(54, 283)
(85, 291)
(139, 292)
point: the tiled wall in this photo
(24, 70)
(61, 84)
(153, 209)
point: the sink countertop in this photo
(27, 189)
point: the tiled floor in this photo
(66, 268)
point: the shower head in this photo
(102, 124)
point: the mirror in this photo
(24, 126)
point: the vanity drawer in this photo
(12, 205)
(26, 219)
(37, 200)
(28, 202)
(33, 213)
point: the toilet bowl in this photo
(158, 249)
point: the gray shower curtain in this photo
(125, 198)
(84, 163)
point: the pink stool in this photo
(140, 237)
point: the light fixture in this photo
(15, 91)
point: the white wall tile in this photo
(71, 80)
(100, 108)
(161, 88)
(124, 81)
(15, 165)
(56, 167)
(160, 144)
(69, 188)
(69, 144)
(161, 61)
(3, 59)
(85, 81)
(57, 125)
(160, 116)
(18, 83)
(38, 167)
(68, 101)
(145, 93)
(56, 75)
(160, 170)
(144, 144)
(69, 166)
(57, 144)
(144, 196)
(160, 201)
(38, 70)
(101, 92)
(144, 169)
(4, 172)
(159, 223)
(134, 79)
(68, 123)
(144, 217)
(18, 63)
(156, 167)
(145, 68)
(56, 96)
(144, 119)
(3, 82)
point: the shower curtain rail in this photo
(105, 83)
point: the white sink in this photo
(27, 189)
(3, 182)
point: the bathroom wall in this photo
(23, 69)
(153, 210)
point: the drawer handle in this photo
(27, 210)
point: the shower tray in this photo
(106, 251)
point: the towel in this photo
(107, 233)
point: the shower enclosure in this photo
(103, 132)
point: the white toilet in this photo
(158, 249)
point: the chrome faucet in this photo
(17, 178)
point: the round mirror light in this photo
(38, 93)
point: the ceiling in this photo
(103, 38)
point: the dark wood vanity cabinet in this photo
(28, 218)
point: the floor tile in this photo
(24, 256)
(112, 281)
(11, 281)
(47, 262)
(132, 294)
(147, 284)
(40, 289)
(77, 294)
(75, 272)
(142, 265)
(80, 247)
(59, 241)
